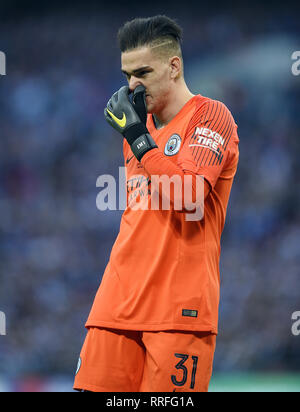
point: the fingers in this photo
(139, 89)
(109, 105)
(139, 102)
(124, 92)
(108, 117)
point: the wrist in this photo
(134, 132)
(139, 139)
(142, 145)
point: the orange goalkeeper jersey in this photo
(163, 271)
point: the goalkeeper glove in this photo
(129, 119)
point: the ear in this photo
(175, 67)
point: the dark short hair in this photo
(149, 31)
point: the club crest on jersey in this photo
(173, 145)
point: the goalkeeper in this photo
(154, 320)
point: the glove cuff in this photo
(134, 132)
(142, 145)
(139, 139)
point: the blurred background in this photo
(63, 64)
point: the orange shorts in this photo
(114, 360)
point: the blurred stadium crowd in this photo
(55, 244)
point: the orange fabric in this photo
(163, 272)
(157, 164)
(132, 361)
(110, 361)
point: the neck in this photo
(176, 101)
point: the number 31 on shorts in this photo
(181, 366)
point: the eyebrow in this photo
(136, 71)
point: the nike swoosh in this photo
(129, 159)
(120, 122)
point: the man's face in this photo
(142, 66)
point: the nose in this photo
(134, 82)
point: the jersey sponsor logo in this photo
(208, 139)
(120, 122)
(139, 191)
(173, 145)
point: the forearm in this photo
(156, 164)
